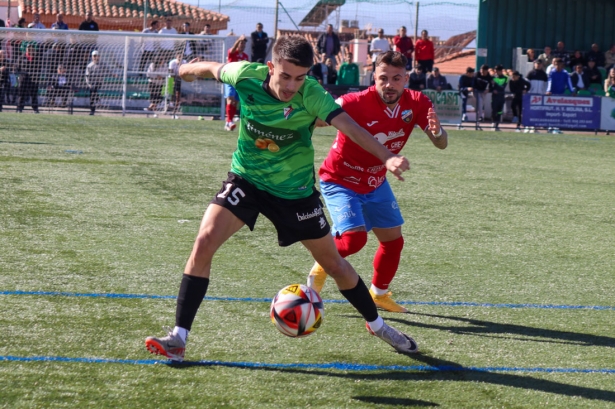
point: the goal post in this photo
(128, 72)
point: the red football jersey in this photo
(237, 56)
(353, 167)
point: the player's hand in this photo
(397, 165)
(434, 122)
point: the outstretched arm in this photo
(200, 69)
(395, 164)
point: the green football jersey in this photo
(274, 150)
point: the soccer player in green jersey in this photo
(272, 173)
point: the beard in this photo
(388, 98)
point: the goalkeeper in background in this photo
(272, 173)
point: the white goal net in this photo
(106, 72)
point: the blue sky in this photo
(441, 18)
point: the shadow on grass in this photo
(489, 328)
(450, 374)
(382, 400)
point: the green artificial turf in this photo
(99, 206)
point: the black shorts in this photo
(177, 85)
(294, 219)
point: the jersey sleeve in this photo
(319, 102)
(233, 72)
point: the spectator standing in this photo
(59, 87)
(331, 73)
(329, 43)
(424, 52)
(609, 58)
(596, 55)
(559, 79)
(5, 78)
(21, 23)
(149, 46)
(88, 24)
(235, 54)
(518, 86)
(538, 78)
(156, 76)
(437, 81)
(59, 24)
(482, 79)
(28, 71)
(404, 45)
(95, 74)
(260, 40)
(577, 58)
(418, 79)
(466, 81)
(561, 53)
(580, 78)
(531, 55)
(380, 45)
(609, 84)
(2, 24)
(167, 46)
(348, 74)
(497, 87)
(595, 76)
(546, 57)
(177, 81)
(36, 23)
(204, 47)
(189, 45)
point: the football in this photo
(297, 310)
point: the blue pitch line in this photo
(268, 300)
(340, 366)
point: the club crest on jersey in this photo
(407, 115)
(288, 111)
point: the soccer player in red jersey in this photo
(235, 54)
(353, 181)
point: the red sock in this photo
(350, 242)
(386, 262)
(230, 112)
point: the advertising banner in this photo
(561, 111)
(607, 117)
(447, 105)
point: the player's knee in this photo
(394, 246)
(350, 242)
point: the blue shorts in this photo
(349, 209)
(231, 92)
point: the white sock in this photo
(378, 291)
(182, 332)
(376, 325)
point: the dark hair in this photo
(484, 67)
(296, 50)
(153, 23)
(516, 73)
(394, 58)
(498, 67)
(469, 70)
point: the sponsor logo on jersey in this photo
(375, 169)
(397, 145)
(323, 222)
(394, 205)
(256, 130)
(354, 167)
(374, 181)
(353, 179)
(287, 111)
(372, 123)
(317, 212)
(407, 115)
(383, 138)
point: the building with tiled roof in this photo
(122, 15)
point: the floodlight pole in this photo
(416, 23)
(144, 14)
(275, 22)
